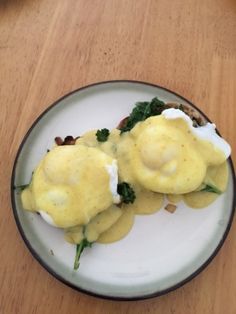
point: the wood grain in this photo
(48, 48)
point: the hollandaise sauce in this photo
(216, 176)
(75, 187)
(120, 228)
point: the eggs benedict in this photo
(71, 185)
(92, 186)
(169, 155)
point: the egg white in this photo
(46, 217)
(206, 132)
(113, 174)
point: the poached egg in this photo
(169, 155)
(71, 185)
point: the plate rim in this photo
(50, 270)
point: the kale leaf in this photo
(142, 111)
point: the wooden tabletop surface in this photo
(49, 48)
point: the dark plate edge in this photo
(50, 270)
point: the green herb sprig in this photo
(79, 249)
(126, 192)
(102, 135)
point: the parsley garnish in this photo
(211, 188)
(102, 135)
(142, 111)
(79, 249)
(126, 192)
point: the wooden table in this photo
(48, 48)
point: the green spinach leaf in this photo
(211, 188)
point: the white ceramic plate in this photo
(162, 251)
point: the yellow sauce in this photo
(120, 229)
(88, 139)
(199, 199)
(57, 190)
(102, 222)
(74, 235)
(216, 175)
(166, 157)
(27, 199)
(146, 202)
(117, 146)
(141, 163)
(174, 198)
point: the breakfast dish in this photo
(93, 186)
(104, 187)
